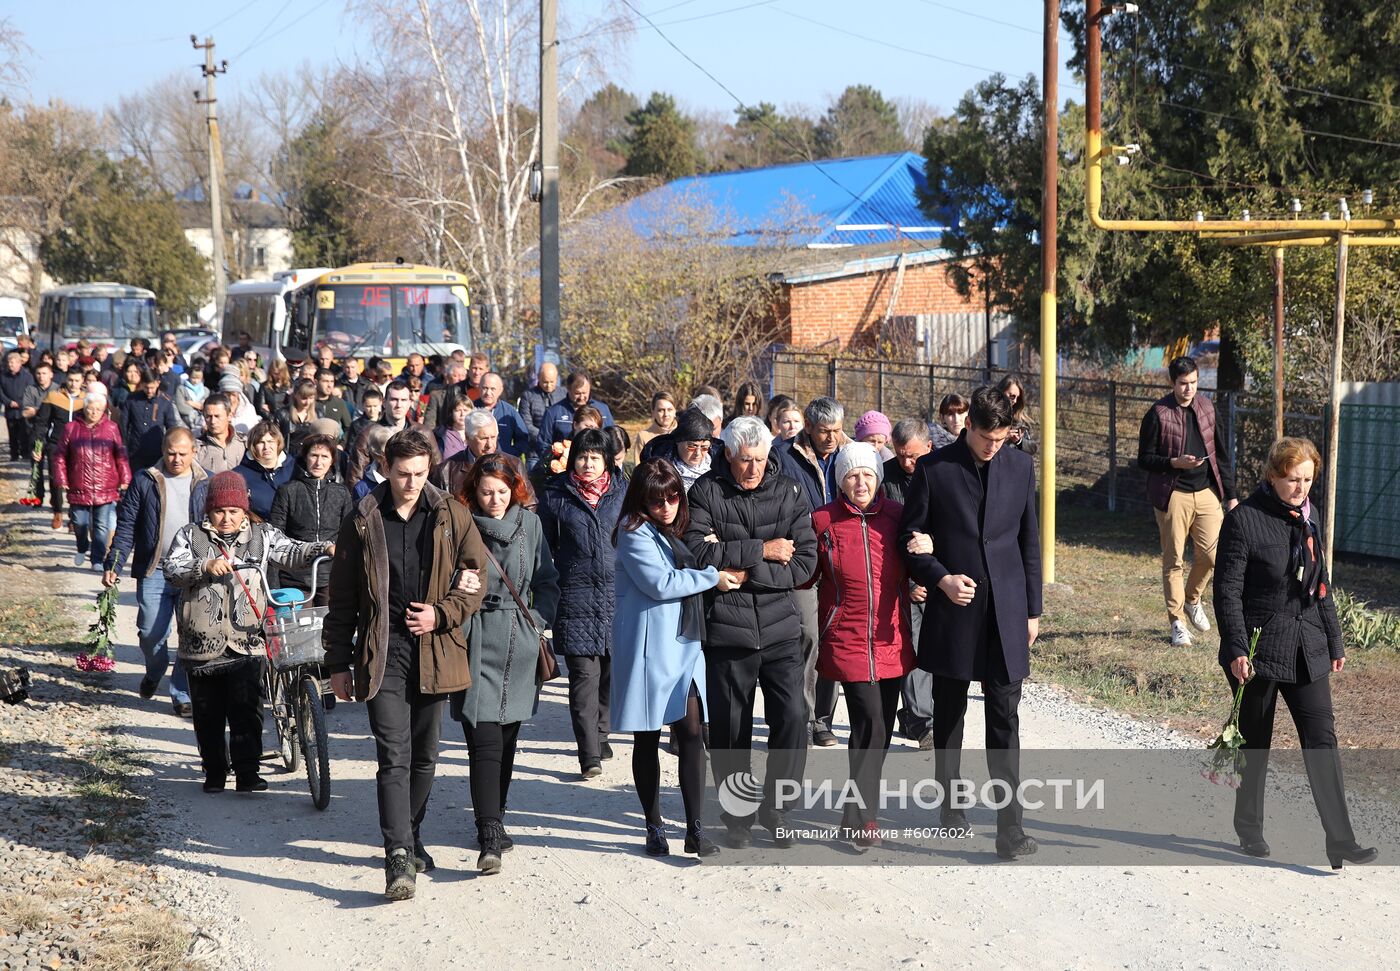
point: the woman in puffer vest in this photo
(864, 613)
(220, 622)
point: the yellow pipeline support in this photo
(1288, 241)
(1094, 197)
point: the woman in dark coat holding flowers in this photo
(1270, 577)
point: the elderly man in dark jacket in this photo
(159, 502)
(809, 459)
(911, 442)
(971, 513)
(535, 401)
(750, 519)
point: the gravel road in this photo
(274, 883)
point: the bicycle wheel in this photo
(284, 718)
(311, 727)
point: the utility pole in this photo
(216, 168)
(1278, 342)
(1334, 409)
(549, 179)
(1049, 270)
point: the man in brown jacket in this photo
(393, 634)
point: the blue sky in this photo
(89, 53)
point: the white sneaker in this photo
(1181, 637)
(1196, 613)
(79, 559)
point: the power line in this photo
(991, 20)
(771, 130)
(623, 28)
(1307, 131)
(283, 29)
(266, 27)
(225, 20)
(909, 50)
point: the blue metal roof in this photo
(832, 202)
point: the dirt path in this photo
(306, 886)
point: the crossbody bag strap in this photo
(515, 594)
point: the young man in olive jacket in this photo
(393, 635)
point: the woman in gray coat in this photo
(502, 646)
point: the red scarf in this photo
(592, 492)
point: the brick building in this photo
(860, 266)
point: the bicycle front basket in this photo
(294, 640)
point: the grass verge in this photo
(1106, 641)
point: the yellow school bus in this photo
(386, 310)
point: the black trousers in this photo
(491, 747)
(916, 710)
(732, 679)
(1310, 704)
(18, 430)
(1001, 701)
(590, 702)
(407, 725)
(872, 710)
(228, 696)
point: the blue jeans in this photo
(155, 611)
(101, 521)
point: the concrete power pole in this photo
(216, 169)
(549, 180)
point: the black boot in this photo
(656, 841)
(1352, 852)
(697, 842)
(399, 875)
(488, 837)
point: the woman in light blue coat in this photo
(658, 673)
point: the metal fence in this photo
(1368, 491)
(1097, 419)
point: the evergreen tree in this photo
(119, 228)
(662, 141)
(860, 122)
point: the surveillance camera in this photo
(1122, 159)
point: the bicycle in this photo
(292, 632)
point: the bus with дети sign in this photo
(384, 310)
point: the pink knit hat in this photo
(873, 423)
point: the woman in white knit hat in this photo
(864, 612)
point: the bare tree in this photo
(14, 72)
(47, 156)
(661, 299)
(453, 93)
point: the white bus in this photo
(259, 309)
(107, 314)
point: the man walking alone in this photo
(1191, 485)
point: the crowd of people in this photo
(722, 552)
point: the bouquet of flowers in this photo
(98, 657)
(31, 498)
(1225, 766)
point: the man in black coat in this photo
(748, 518)
(975, 501)
(910, 441)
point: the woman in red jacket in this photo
(864, 611)
(90, 462)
